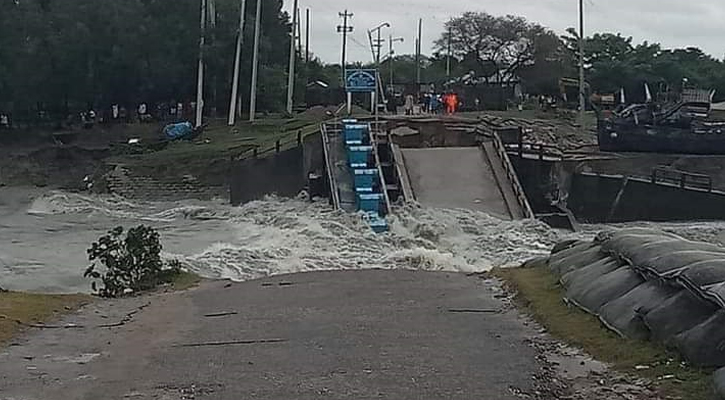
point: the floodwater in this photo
(44, 236)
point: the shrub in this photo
(128, 264)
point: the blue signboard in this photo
(361, 80)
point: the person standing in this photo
(409, 103)
(4, 121)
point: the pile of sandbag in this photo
(647, 284)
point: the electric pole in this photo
(299, 32)
(237, 65)
(448, 58)
(582, 83)
(418, 45)
(255, 62)
(307, 38)
(344, 29)
(292, 59)
(200, 77)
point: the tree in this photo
(63, 56)
(130, 263)
(494, 47)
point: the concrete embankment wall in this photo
(601, 198)
(284, 173)
(650, 285)
(598, 198)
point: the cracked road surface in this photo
(338, 335)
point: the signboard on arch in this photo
(361, 80)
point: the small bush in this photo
(128, 263)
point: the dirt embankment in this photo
(72, 160)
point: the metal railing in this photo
(334, 194)
(683, 179)
(277, 147)
(374, 142)
(512, 177)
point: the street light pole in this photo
(200, 75)
(237, 62)
(392, 58)
(255, 62)
(292, 60)
(582, 83)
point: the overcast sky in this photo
(674, 23)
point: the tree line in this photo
(62, 56)
(506, 49)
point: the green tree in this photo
(495, 48)
(62, 56)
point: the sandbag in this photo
(704, 344)
(604, 289)
(565, 245)
(706, 279)
(556, 260)
(670, 264)
(577, 260)
(625, 315)
(586, 275)
(677, 314)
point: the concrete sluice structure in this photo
(651, 285)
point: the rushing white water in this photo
(44, 237)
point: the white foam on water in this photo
(278, 236)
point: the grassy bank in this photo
(539, 292)
(185, 281)
(20, 310)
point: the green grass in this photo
(185, 281)
(29, 308)
(539, 292)
(221, 142)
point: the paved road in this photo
(455, 177)
(331, 335)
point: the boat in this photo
(682, 127)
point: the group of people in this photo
(166, 112)
(433, 103)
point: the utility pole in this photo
(255, 62)
(344, 29)
(418, 45)
(292, 59)
(299, 32)
(200, 77)
(582, 82)
(237, 65)
(448, 58)
(307, 38)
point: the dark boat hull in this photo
(661, 139)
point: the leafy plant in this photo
(128, 263)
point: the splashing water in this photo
(44, 237)
(263, 238)
(278, 236)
